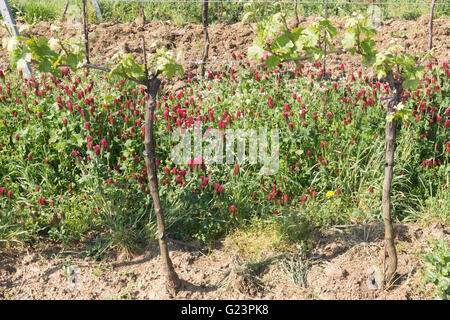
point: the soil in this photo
(105, 38)
(343, 265)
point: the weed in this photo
(437, 269)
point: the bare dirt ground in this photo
(106, 38)
(342, 265)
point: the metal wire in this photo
(274, 1)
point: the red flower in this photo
(270, 102)
(104, 143)
(232, 209)
(236, 169)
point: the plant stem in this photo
(391, 134)
(205, 31)
(173, 282)
(325, 43)
(297, 21)
(86, 31)
(430, 26)
(142, 12)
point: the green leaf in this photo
(411, 84)
(368, 51)
(170, 69)
(368, 31)
(283, 44)
(326, 24)
(166, 65)
(297, 31)
(381, 74)
(272, 61)
(255, 52)
(309, 37)
(349, 40)
(271, 26)
(42, 50)
(45, 66)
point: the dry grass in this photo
(257, 241)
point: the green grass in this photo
(33, 11)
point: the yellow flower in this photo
(330, 193)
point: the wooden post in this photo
(372, 12)
(86, 31)
(220, 10)
(391, 135)
(142, 12)
(205, 31)
(324, 42)
(297, 21)
(430, 25)
(11, 25)
(98, 12)
(65, 9)
(173, 282)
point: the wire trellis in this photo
(277, 1)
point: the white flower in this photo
(399, 107)
(53, 43)
(21, 64)
(55, 28)
(10, 43)
(24, 28)
(180, 55)
(28, 57)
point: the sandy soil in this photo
(343, 265)
(105, 38)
